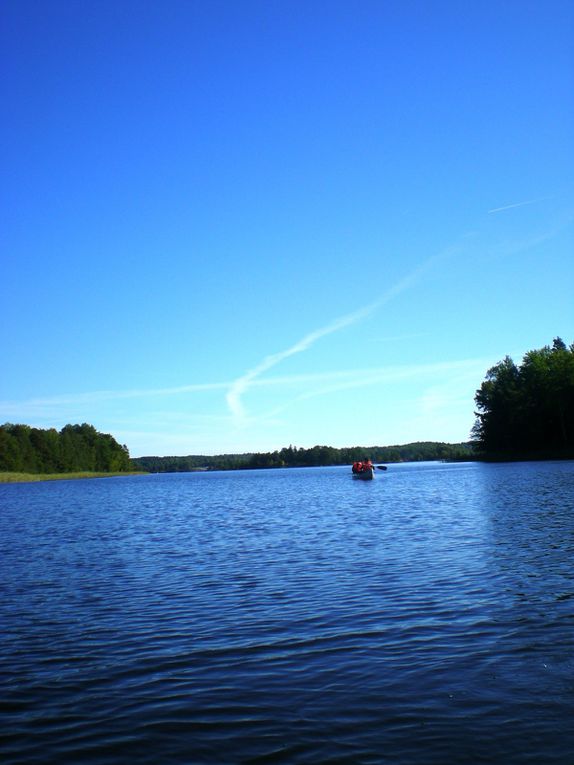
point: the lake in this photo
(290, 616)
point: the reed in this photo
(7, 477)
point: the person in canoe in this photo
(362, 467)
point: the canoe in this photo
(367, 474)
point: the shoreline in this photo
(8, 477)
(545, 456)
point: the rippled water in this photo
(291, 616)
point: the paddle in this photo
(381, 467)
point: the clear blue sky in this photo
(235, 226)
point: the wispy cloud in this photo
(243, 383)
(110, 395)
(316, 381)
(73, 406)
(156, 427)
(317, 385)
(94, 397)
(517, 204)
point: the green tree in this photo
(528, 409)
(499, 402)
(46, 445)
(75, 448)
(10, 456)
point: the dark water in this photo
(291, 616)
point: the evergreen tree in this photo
(528, 409)
(76, 448)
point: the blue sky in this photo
(235, 226)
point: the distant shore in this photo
(34, 477)
(8, 477)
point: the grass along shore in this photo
(30, 477)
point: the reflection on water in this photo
(291, 616)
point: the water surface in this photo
(290, 616)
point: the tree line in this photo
(75, 448)
(528, 410)
(292, 456)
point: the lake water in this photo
(290, 616)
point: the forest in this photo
(291, 456)
(74, 448)
(527, 411)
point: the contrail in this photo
(243, 383)
(348, 380)
(110, 395)
(517, 204)
(239, 386)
